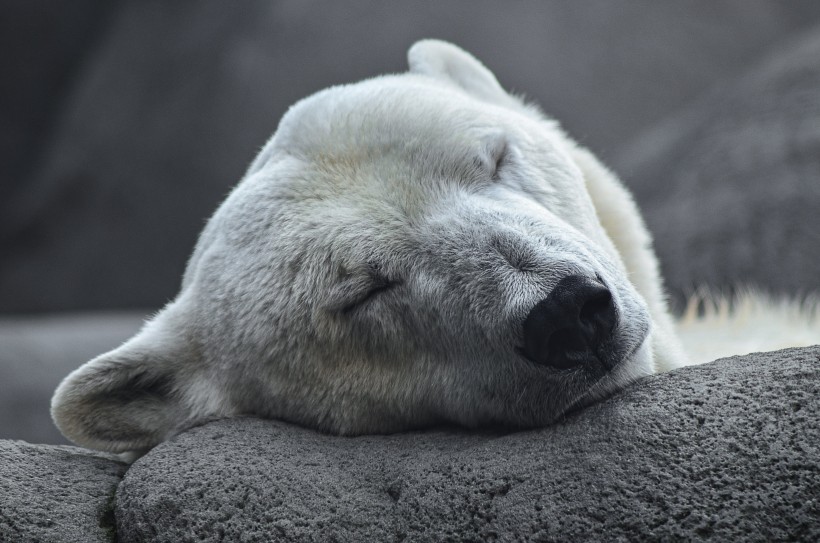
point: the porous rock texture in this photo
(52, 494)
(727, 451)
(730, 187)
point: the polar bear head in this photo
(411, 250)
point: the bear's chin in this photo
(637, 365)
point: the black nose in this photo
(571, 326)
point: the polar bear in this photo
(410, 250)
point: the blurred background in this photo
(123, 124)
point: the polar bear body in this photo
(385, 264)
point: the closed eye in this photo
(379, 285)
(497, 149)
(500, 162)
(357, 287)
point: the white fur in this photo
(375, 268)
(714, 327)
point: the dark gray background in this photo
(123, 124)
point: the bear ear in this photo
(126, 399)
(448, 62)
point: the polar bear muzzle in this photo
(572, 326)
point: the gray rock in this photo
(727, 451)
(731, 186)
(52, 494)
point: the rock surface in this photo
(730, 187)
(727, 451)
(52, 494)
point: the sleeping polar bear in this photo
(410, 250)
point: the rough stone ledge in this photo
(727, 451)
(56, 494)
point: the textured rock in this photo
(730, 187)
(53, 494)
(727, 451)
